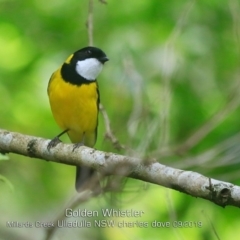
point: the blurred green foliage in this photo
(173, 66)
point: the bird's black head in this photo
(84, 65)
(88, 62)
(90, 52)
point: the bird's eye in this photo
(89, 52)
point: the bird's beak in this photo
(103, 59)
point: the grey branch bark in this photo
(192, 183)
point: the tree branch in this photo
(192, 183)
(109, 133)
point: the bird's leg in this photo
(77, 145)
(55, 141)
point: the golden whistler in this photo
(74, 99)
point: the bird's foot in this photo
(53, 143)
(77, 145)
(56, 140)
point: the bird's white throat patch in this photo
(89, 68)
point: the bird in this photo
(74, 100)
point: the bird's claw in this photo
(53, 143)
(77, 145)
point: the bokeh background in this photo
(171, 90)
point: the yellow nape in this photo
(69, 59)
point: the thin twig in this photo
(90, 23)
(136, 81)
(168, 66)
(234, 9)
(74, 202)
(109, 134)
(181, 21)
(172, 214)
(215, 152)
(209, 126)
(211, 224)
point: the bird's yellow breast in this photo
(75, 108)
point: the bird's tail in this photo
(83, 175)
